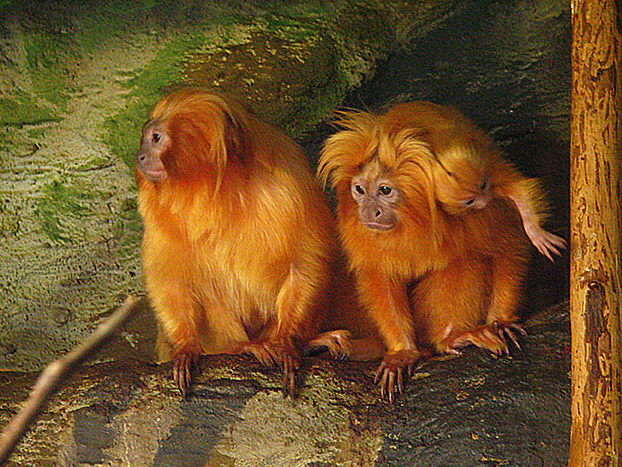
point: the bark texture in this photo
(596, 233)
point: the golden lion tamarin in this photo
(431, 219)
(238, 239)
(471, 170)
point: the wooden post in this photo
(596, 233)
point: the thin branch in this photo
(54, 372)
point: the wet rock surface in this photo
(468, 410)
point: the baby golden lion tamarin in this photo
(431, 218)
(238, 243)
(471, 170)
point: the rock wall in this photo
(77, 82)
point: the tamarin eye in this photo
(359, 189)
(156, 137)
(469, 201)
(385, 190)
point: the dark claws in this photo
(290, 370)
(183, 365)
(392, 372)
(289, 384)
(277, 354)
(508, 331)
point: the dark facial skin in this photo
(376, 199)
(154, 143)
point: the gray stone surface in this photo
(470, 410)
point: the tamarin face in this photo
(377, 197)
(458, 194)
(461, 184)
(154, 144)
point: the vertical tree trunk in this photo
(596, 233)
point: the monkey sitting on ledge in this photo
(436, 227)
(239, 240)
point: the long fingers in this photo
(390, 375)
(508, 331)
(183, 365)
(486, 338)
(290, 365)
(277, 354)
(494, 338)
(547, 243)
(390, 381)
(337, 342)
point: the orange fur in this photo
(440, 277)
(238, 237)
(471, 170)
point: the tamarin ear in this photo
(236, 140)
